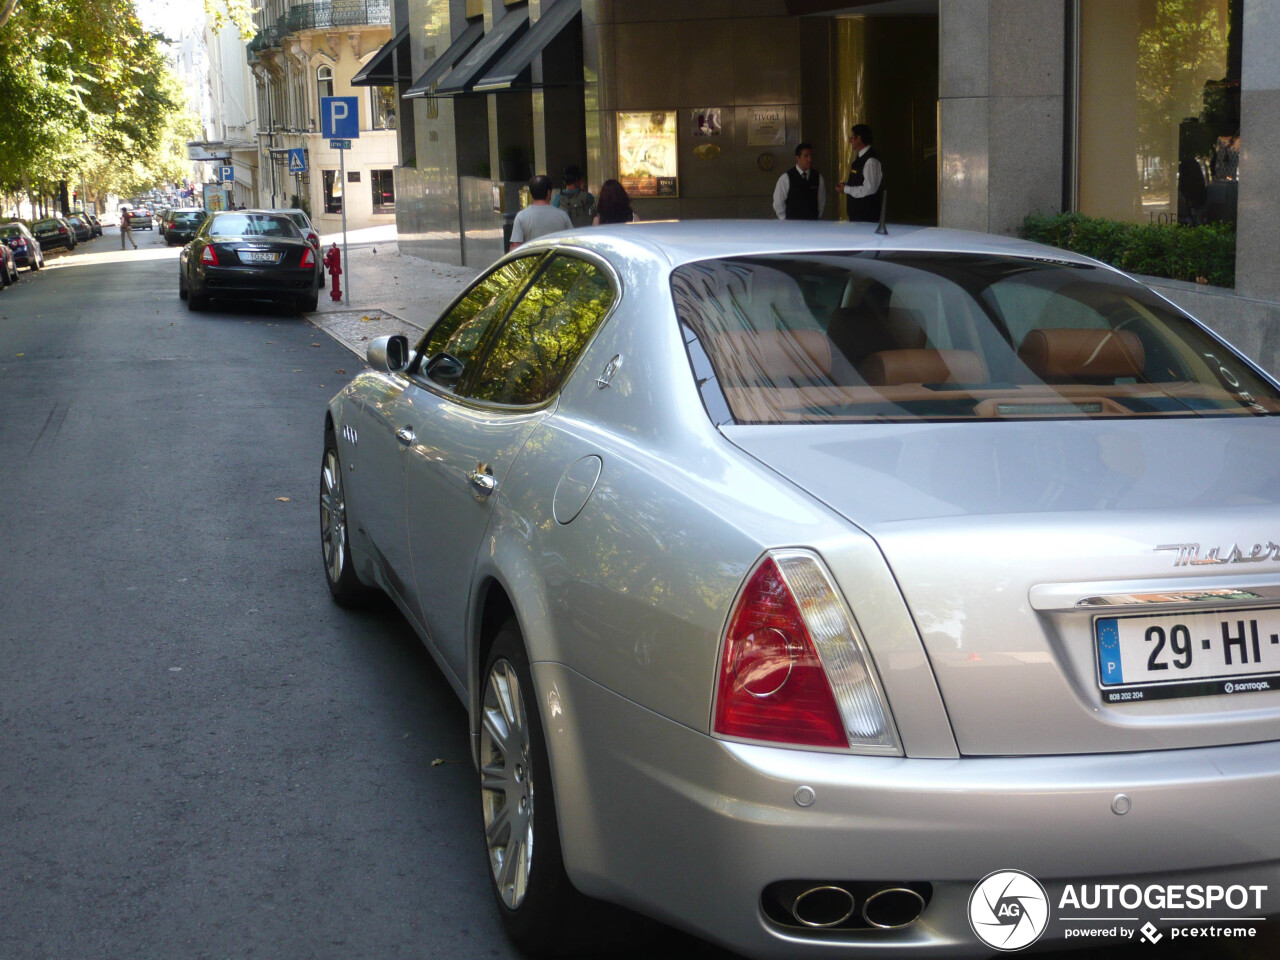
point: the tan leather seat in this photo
(888, 368)
(1075, 355)
(779, 356)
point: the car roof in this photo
(687, 241)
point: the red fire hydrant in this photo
(333, 263)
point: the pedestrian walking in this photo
(540, 217)
(614, 205)
(800, 193)
(126, 230)
(575, 199)
(865, 184)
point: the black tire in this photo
(552, 918)
(197, 302)
(182, 288)
(308, 303)
(335, 541)
(37, 261)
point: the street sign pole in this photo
(340, 122)
(342, 172)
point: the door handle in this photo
(482, 482)
(405, 435)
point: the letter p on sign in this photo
(340, 118)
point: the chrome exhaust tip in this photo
(893, 907)
(825, 906)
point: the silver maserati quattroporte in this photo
(802, 582)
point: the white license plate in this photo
(1187, 654)
(248, 257)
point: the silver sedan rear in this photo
(803, 583)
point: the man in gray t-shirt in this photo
(540, 217)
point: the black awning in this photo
(507, 70)
(389, 65)
(495, 45)
(443, 63)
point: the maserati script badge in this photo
(1189, 554)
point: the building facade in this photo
(984, 112)
(232, 114)
(301, 53)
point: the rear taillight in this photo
(308, 258)
(313, 240)
(209, 256)
(793, 668)
(62, 229)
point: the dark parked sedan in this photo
(82, 227)
(54, 232)
(95, 224)
(181, 226)
(248, 255)
(8, 267)
(25, 249)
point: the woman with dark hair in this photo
(613, 205)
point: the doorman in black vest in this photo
(800, 194)
(865, 185)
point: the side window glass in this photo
(450, 345)
(545, 334)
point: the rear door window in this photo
(545, 333)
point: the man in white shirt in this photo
(800, 193)
(864, 187)
(540, 217)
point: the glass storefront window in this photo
(384, 191)
(383, 100)
(332, 192)
(1159, 110)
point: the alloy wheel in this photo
(506, 783)
(333, 517)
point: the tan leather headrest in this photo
(1082, 354)
(891, 367)
(779, 356)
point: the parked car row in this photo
(50, 233)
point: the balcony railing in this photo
(337, 13)
(270, 37)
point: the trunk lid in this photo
(1012, 542)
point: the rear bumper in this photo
(255, 284)
(692, 829)
(54, 242)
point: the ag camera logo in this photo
(1008, 910)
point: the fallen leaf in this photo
(440, 762)
(315, 344)
(339, 371)
(283, 499)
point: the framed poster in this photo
(647, 159)
(767, 127)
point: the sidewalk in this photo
(390, 292)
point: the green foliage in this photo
(88, 96)
(1200, 254)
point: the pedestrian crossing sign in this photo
(297, 161)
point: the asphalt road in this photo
(200, 755)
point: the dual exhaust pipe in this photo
(831, 905)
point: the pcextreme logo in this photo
(1010, 910)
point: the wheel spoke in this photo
(493, 777)
(495, 726)
(498, 831)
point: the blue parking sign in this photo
(226, 173)
(340, 118)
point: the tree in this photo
(87, 91)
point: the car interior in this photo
(912, 336)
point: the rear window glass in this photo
(907, 336)
(186, 216)
(253, 225)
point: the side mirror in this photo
(445, 369)
(389, 354)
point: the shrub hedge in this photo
(1200, 254)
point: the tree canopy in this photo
(88, 94)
